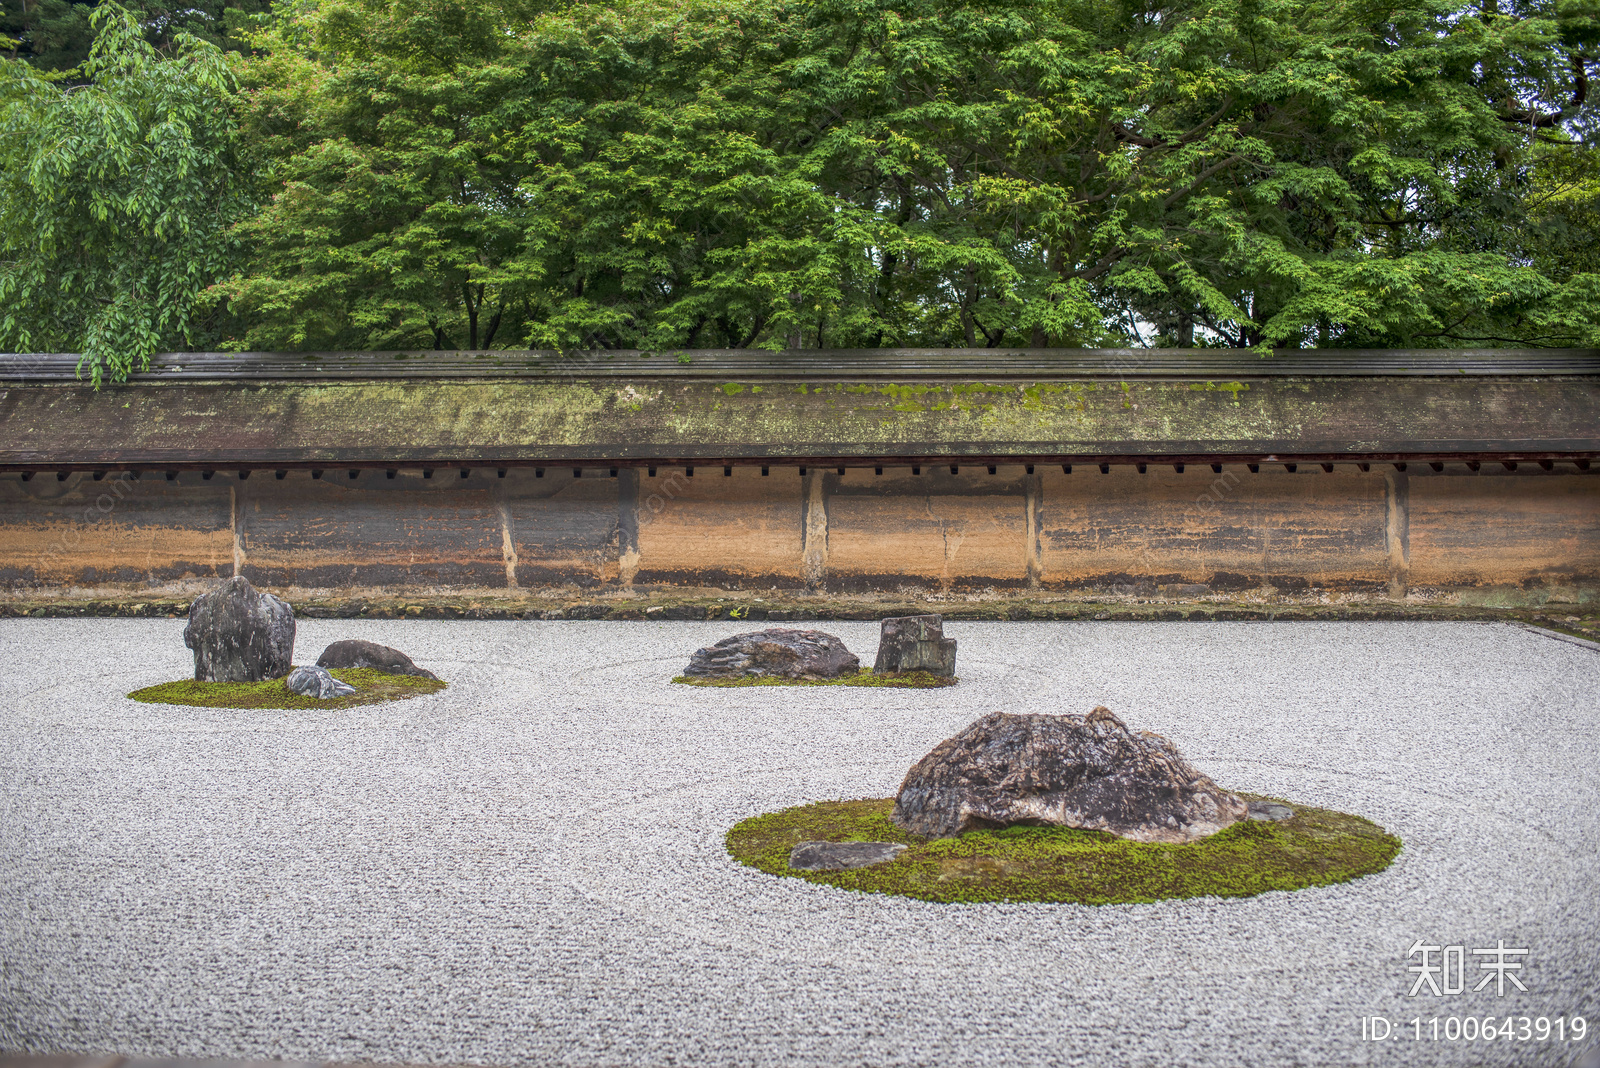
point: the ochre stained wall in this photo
(1456, 535)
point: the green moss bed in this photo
(373, 687)
(909, 680)
(1314, 847)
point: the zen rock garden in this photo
(1027, 807)
(243, 644)
(1062, 808)
(912, 651)
(1068, 807)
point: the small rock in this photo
(1062, 771)
(240, 634)
(790, 654)
(316, 682)
(354, 653)
(915, 643)
(1269, 810)
(836, 856)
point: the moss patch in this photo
(373, 687)
(907, 680)
(1314, 847)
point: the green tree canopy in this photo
(115, 198)
(921, 172)
(500, 173)
(57, 34)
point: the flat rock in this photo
(354, 653)
(316, 682)
(1269, 810)
(240, 634)
(790, 654)
(1062, 771)
(836, 856)
(915, 643)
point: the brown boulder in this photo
(355, 653)
(1062, 771)
(791, 654)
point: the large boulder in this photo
(915, 643)
(1062, 771)
(240, 634)
(354, 653)
(790, 654)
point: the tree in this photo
(918, 172)
(115, 198)
(392, 206)
(57, 34)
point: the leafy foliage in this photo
(918, 172)
(1314, 847)
(115, 198)
(863, 173)
(56, 35)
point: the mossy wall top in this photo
(650, 409)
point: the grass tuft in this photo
(373, 687)
(1314, 847)
(909, 680)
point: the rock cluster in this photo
(239, 634)
(316, 682)
(915, 643)
(790, 654)
(354, 653)
(1066, 771)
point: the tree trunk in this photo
(494, 325)
(968, 298)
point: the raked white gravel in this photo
(528, 867)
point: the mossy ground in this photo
(910, 680)
(372, 688)
(1315, 847)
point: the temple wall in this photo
(1491, 536)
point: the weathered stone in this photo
(790, 654)
(354, 653)
(915, 643)
(1063, 771)
(316, 682)
(836, 856)
(1269, 810)
(240, 634)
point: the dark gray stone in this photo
(240, 634)
(316, 682)
(1269, 810)
(1062, 771)
(915, 643)
(836, 856)
(790, 654)
(354, 653)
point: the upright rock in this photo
(240, 634)
(354, 653)
(1062, 771)
(915, 643)
(790, 654)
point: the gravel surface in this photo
(528, 867)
